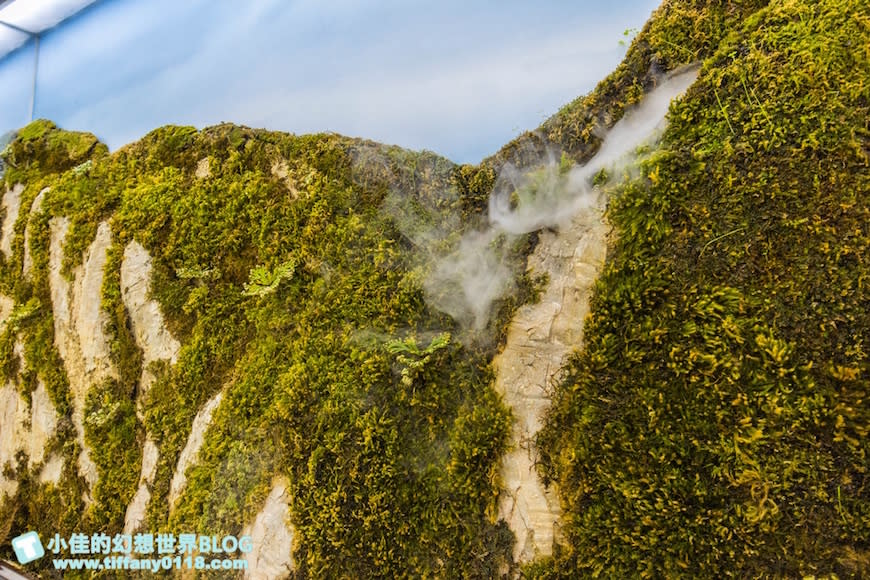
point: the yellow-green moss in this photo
(716, 423)
(410, 487)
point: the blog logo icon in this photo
(27, 547)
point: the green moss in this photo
(42, 148)
(680, 32)
(115, 439)
(301, 382)
(36, 130)
(715, 423)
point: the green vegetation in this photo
(292, 291)
(680, 32)
(265, 282)
(716, 422)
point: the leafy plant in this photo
(263, 281)
(412, 357)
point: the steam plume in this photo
(467, 280)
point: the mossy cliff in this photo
(288, 288)
(713, 421)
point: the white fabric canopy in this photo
(20, 19)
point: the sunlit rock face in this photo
(272, 537)
(540, 338)
(157, 344)
(11, 204)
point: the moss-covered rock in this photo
(714, 423)
(285, 282)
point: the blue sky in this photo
(457, 78)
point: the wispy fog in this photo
(468, 276)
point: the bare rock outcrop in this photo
(135, 515)
(25, 428)
(43, 423)
(52, 469)
(157, 343)
(272, 537)
(203, 168)
(6, 306)
(191, 448)
(79, 326)
(13, 432)
(542, 335)
(540, 338)
(149, 327)
(11, 204)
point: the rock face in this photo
(43, 422)
(6, 305)
(191, 448)
(90, 320)
(149, 327)
(272, 537)
(13, 432)
(157, 344)
(79, 326)
(542, 335)
(11, 204)
(52, 469)
(539, 340)
(136, 509)
(28, 429)
(202, 169)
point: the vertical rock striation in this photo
(272, 537)
(539, 340)
(191, 448)
(79, 327)
(157, 344)
(11, 204)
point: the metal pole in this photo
(16, 28)
(35, 71)
(35, 37)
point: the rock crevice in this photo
(540, 338)
(79, 327)
(157, 344)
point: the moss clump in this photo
(716, 422)
(41, 148)
(114, 436)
